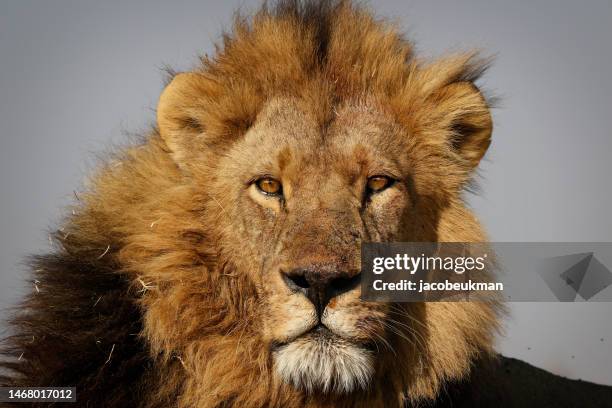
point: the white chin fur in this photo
(323, 364)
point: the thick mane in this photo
(82, 323)
(329, 51)
(138, 305)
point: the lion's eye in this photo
(269, 186)
(378, 183)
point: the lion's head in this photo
(313, 130)
(239, 222)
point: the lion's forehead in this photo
(287, 133)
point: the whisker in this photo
(393, 324)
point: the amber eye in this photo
(269, 186)
(378, 183)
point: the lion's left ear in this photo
(178, 114)
(467, 115)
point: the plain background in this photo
(75, 76)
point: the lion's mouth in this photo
(324, 336)
(320, 332)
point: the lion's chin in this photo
(323, 362)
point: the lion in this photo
(216, 263)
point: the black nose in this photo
(321, 285)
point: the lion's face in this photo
(297, 160)
(303, 199)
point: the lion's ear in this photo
(178, 114)
(467, 116)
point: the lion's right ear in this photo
(179, 113)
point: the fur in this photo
(164, 288)
(338, 366)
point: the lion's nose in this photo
(320, 286)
